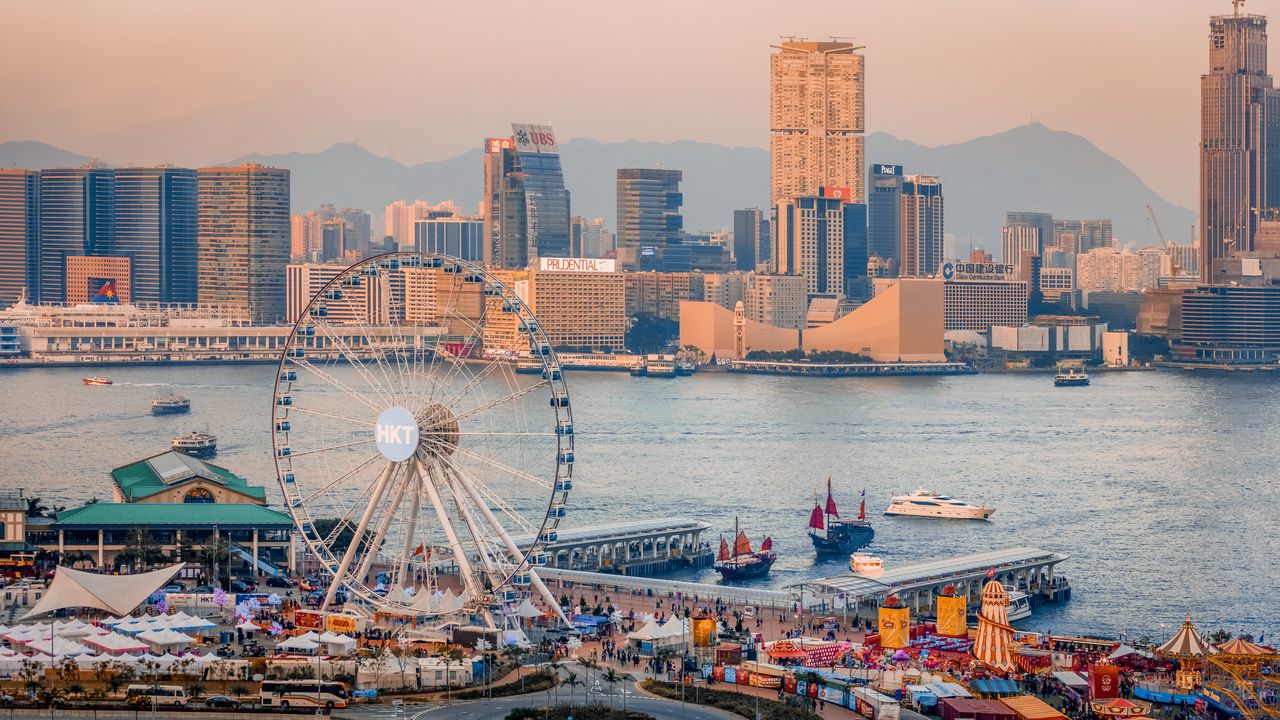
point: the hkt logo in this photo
(396, 434)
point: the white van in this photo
(159, 694)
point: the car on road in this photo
(174, 588)
(240, 586)
(202, 590)
(279, 581)
(222, 702)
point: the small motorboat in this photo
(866, 565)
(924, 503)
(97, 380)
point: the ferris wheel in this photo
(423, 437)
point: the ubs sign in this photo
(576, 264)
(396, 434)
(534, 138)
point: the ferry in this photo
(170, 405)
(660, 366)
(1019, 604)
(97, 380)
(1071, 378)
(684, 368)
(196, 444)
(740, 563)
(924, 503)
(870, 566)
(833, 535)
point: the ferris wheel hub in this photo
(438, 431)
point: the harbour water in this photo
(1160, 486)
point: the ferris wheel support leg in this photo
(451, 481)
(409, 533)
(468, 575)
(371, 553)
(506, 539)
(376, 498)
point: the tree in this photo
(325, 526)
(36, 507)
(612, 677)
(452, 654)
(650, 333)
(141, 550)
(571, 679)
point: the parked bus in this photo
(158, 694)
(296, 693)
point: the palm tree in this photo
(612, 677)
(140, 550)
(36, 507)
(571, 679)
(515, 653)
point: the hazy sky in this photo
(190, 83)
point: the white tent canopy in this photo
(301, 643)
(165, 638)
(116, 594)
(115, 643)
(337, 644)
(648, 632)
(527, 610)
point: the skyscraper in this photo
(1239, 137)
(356, 231)
(526, 211)
(920, 248)
(460, 237)
(243, 239)
(649, 219)
(1081, 236)
(333, 240)
(155, 227)
(816, 118)
(810, 242)
(857, 285)
(77, 217)
(884, 209)
(752, 239)
(19, 233)
(1042, 223)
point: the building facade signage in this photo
(976, 271)
(576, 264)
(887, 170)
(534, 138)
(838, 193)
(493, 146)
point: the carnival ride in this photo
(409, 452)
(1247, 683)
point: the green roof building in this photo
(173, 477)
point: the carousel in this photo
(1190, 650)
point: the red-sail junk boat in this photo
(832, 535)
(739, 563)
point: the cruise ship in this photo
(924, 503)
(171, 405)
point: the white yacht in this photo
(866, 565)
(1019, 604)
(924, 503)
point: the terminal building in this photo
(1229, 326)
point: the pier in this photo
(641, 547)
(777, 367)
(918, 585)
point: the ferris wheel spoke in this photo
(474, 490)
(411, 530)
(472, 383)
(340, 479)
(528, 477)
(330, 448)
(335, 382)
(331, 416)
(504, 399)
(493, 499)
(378, 489)
(507, 434)
(355, 363)
(477, 537)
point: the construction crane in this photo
(1175, 267)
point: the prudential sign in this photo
(396, 434)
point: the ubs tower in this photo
(526, 203)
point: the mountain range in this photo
(1031, 168)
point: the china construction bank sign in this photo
(576, 264)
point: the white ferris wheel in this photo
(423, 438)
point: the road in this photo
(498, 708)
